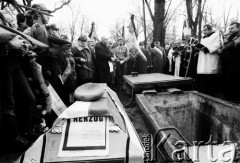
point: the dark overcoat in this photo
(103, 56)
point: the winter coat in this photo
(103, 56)
(158, 57)
(84, 70)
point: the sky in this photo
(103, 12)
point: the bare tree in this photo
(163, 13)
(28, 3)
(72, 24)
(226, 16)
(62, 30)
(84, 25)
(116, 30)
(222, 21)
(195, 22)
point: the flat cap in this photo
(40, 6)
(82, 38)
(54, 26)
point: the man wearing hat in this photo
(122, 56)
(84, 58)
(53, 30)
(47, 59)
(38, 30)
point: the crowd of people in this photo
(28, 69)
(212, 62)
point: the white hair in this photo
(104, 38)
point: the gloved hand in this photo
(205, 50)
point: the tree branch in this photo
(198, 11)
(61, 6)
(173, 12)
(167, 9)
(229, 12)
(149, 9)
(189, 11)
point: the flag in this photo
(92, 34)
(184, 26)
(132, 43)
(123, 32)
(186, 30)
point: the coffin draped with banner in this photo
(124, 145)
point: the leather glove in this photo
(205, 50)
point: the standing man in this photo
(103, 56)
(84, 57)
(158, 57)
(141, 64)
(208, 61)
(38, 30)
(231, 64)
(122, 56)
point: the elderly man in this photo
(208, 61)
(122, 56)
(231, 64)
(103, 56)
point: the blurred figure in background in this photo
(122, 56)
(141, 64)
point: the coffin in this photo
(124, 144)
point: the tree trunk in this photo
(197, 23)
(159, 28)
(200, 26)
(192, 25)
(144, 26)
